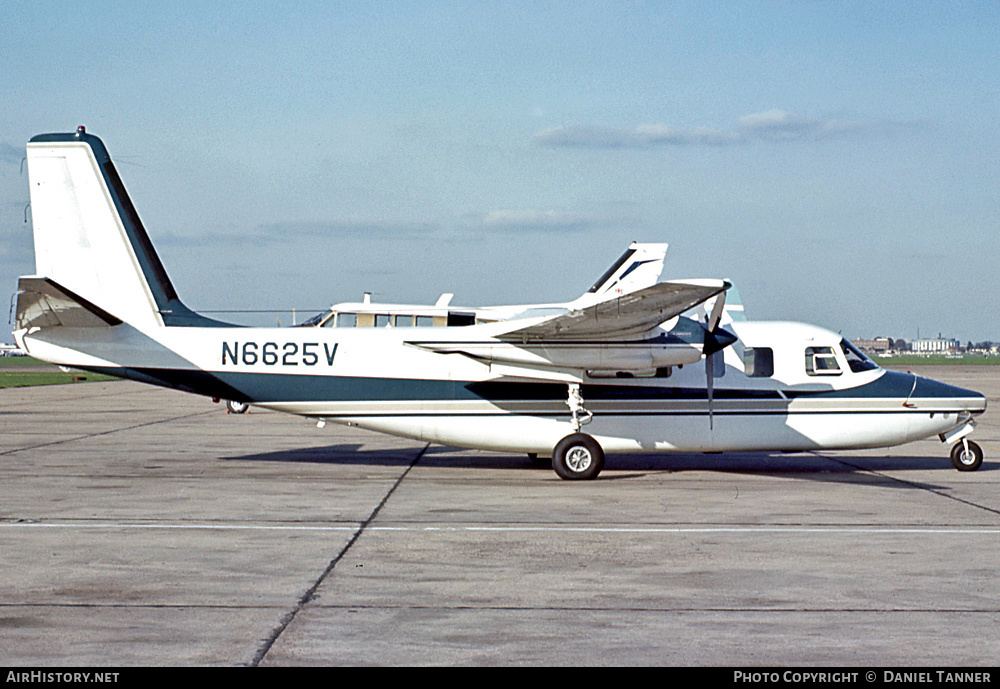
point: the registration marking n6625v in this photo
(251, 353)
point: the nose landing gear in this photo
(966, 455)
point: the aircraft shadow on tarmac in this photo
(839, 467)
(346, 453)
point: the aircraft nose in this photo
(951, 395)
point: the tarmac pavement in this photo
(142, 526)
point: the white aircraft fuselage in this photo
(101, 301)
(374, 379)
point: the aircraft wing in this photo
(622, 317)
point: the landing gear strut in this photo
(578, 456)
(580, 415)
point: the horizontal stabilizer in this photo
(627, 316)
(42, 302)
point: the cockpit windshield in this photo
(856, 359)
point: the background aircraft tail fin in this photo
(639, 267)
(732, 308)
(88, 236)
(734, 305)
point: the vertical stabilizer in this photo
(88, 236)
(732, 308)
(639, 267)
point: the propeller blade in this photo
(710, 380)
(716, 315)
(716, 339)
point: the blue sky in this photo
(837, 161)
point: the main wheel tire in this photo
(578, 457)
(967, 459)
(237, 407)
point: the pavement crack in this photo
(100, 433)
(310, 594)
(913, 484)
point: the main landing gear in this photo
(236, 407)
(578, 457)
(966, 455)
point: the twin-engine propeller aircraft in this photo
(650, 369)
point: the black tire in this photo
(578, 457)
(237, 407)
(967, 460)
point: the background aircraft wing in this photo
(624, 317)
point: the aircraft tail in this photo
(639, 267)
(92, 253)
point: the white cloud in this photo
(772, 125)
(272, 233)
(777, 124)
(533, 220)
(587, 136)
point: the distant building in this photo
(879, 344)
(936, 345)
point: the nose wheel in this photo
(966, 456)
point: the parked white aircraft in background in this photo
(639, 267)
(11, 350)
(630, 368)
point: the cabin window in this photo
(821, 361)
(344, 320)
(457, 318)
(425, 321)
(382, 320)
(758, 362)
